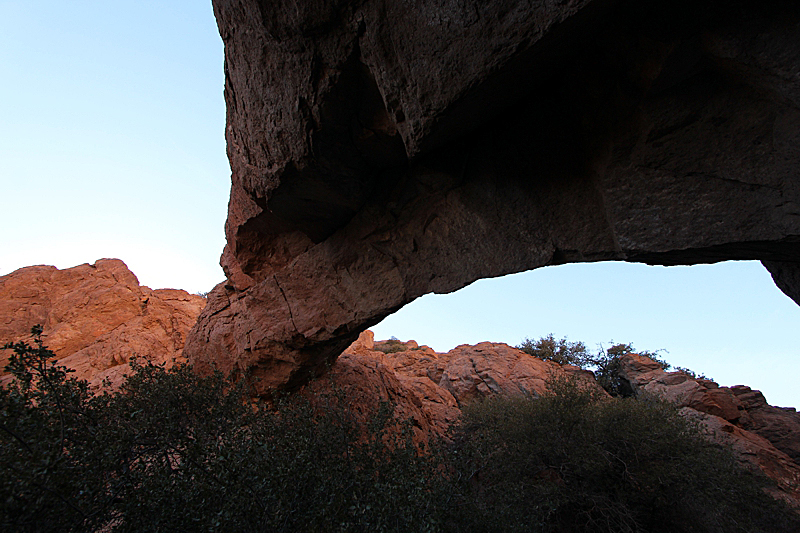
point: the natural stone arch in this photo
(380, 153)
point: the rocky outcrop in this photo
(779, 425)
(381, 152)
(429, 387)
(488, 368)
(96, 317)
(761, 435)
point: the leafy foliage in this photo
(605, 364)
(172, 451)
(573, 461)
(559, 351)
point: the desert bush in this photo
(394, 345)
(572, 461)
(559, 351)
(605, 363)
(172, 451)
(391, 346)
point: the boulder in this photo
(381, 152)
(96, 317)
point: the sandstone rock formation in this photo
(765, 436)
(96, 317)
(383, 150)
(431, 387)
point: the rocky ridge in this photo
(96, 317)
(760, 434)
(430, 387)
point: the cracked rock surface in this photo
(382, 150)
(95, 317)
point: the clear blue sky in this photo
(112, 145)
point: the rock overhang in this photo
(381, 152)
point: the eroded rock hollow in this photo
(382, 150)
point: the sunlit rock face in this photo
(95, 318)
(382, 150)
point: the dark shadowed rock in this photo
(779, 425)
(787, 277)
(383, 150)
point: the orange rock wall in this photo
(95, 317)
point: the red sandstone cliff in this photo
(96, 317)
(761, 435)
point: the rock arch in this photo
(383, 150)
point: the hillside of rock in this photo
(760, 434)
(96, 317)
(380, 152)
(429, 388)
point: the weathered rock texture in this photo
(96, 317)
(762, 435)
(430, 387)
(382, 150)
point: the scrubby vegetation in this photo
(559, 351)
(574, 461)
(605, 363)
(395, 345)
(171, 451)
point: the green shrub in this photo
(574, 462)
(394, 345)
(605, 364)
(559, 351)
(172, 451)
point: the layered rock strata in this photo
(384, 150)
(761, 435)
(96, 317)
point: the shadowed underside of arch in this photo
(383, 150)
